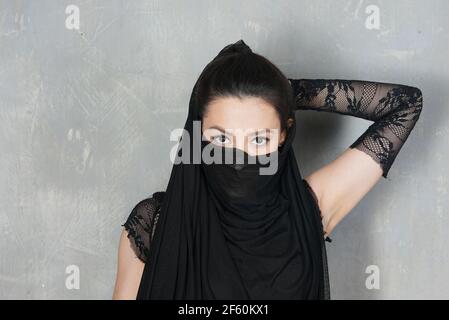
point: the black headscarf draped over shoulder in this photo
(206, 247)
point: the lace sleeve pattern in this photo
(141, 224)
(394, 108)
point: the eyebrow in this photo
(254, 131)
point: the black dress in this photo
(394, 108)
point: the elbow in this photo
(414, 91)
(415, 100)
(416, 94)
(419, 100)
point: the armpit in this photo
(313, 195)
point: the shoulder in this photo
(147, 207)
(141, 223)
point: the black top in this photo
(142, 222)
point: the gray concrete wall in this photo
(85, 117)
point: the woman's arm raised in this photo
(394, 108)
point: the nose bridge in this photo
(240, 140)
(241, 145)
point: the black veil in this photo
(206, 247)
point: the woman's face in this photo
(250, 124)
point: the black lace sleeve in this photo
(141, 224)
(394, 108)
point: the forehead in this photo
(245, 113)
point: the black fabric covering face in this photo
(227, 232)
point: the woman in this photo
(226, 231)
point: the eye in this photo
(221, 139)
(259, 141)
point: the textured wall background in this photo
(86, 115)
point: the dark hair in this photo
(244, 74)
